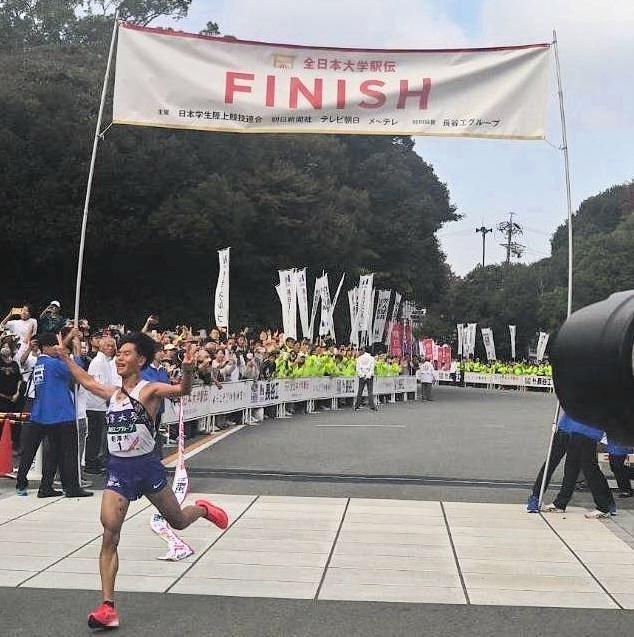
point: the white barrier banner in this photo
(221, 305)
(208, 400)
(180, 80)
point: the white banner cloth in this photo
(512, 330)
(380, 317)
(180, 80)
(302, 301)
(541, 345)
(489, 345)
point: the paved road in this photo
(466, 446)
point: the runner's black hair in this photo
(144, 345)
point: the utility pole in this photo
(484, 232)
(511, 229)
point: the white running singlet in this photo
(130, 429)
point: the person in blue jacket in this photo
(581, 455)
(618, 454)
(558, 451)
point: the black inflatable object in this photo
(592, 362)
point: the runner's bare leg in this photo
(113, 511)
(167, 504)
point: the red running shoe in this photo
(214, 514)
(104, 616)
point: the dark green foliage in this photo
(164, 201)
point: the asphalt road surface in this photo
(468, 445)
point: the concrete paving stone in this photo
(389, 577)
(387, 502)
(43, 537)
(156, 568)
(379, 593)
(260, 505)
(459, 507)
(523, 545)
(91, 581)
(592, 558)
(561, 554)
(626, 600)
(36, 549)
(489, 531)
(14, 578)
(61, 526)
(289, 546)
(528, 523)
(25, 563)
(517, 567)
(327, 516)
(298, 523)
(408, 521)
(281, 534)
(218, 556)
(372, 537)
(144, 541)
(613, 545)
(620, 585)
(392, 511)
(388, 548)
(280, 499)
(524, 582)
(393, 529)
(399, 563)
(540, 598)
(599, 570)
(245, 588)
(257, 572)
(423, 552)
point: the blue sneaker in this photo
(533, 504)
(21, 492)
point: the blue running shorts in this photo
(136, 476)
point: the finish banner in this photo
(182, 80)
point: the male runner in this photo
(134, 468)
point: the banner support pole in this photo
(564, 149)
(84, 223)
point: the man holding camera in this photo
(51, 319)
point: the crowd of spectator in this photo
(221, 358)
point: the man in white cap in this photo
(51, 319)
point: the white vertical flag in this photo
(333, 306)
(512, 333)
(353, 302)
(313, 311)
(471, 338)
(288, 298)
(541, 346)
(489, 345)
(395, 309)
(221, 305)
(380, 317)
(365, 298)
(324, 323)
(460, 338)
(302, 301)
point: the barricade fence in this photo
(208, 400)
(501, 380)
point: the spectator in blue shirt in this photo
(52, 416)
(155, 373)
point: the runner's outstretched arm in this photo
(84, 378)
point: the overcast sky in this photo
(486, 178)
